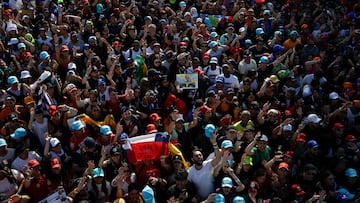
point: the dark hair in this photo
(181, 174)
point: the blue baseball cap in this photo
(105, 130)
(98, 172)
(264, 59)
(44, 55)
(92, 38)
(101, 81)
(209, 129)
(220, 78)
(238, 199)
(213, 44)
(213, 34)
(344, 195)
(12, 80)
(2, 142)
(219, 198)
(182, 3)
(148, 194)
(278, 48)
(259, 31)
(19, 133)
(312, 144)
(77, 125)
(350, 172)
(21, 45)
(226, 182)
(227, 144)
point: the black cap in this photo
(13, 117)
(115, 150)
(176, 158)
(89, 142)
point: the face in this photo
(262, 145)
(197, 158)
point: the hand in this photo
(196, 112)
(91, 165)
(154, 180)
(32, 111)
(47, 137)
(103, 151)
(213, 137)
(119, 129)
(266, 106)
(15, 198)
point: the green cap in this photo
(248, 161)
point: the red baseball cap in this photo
(55, 163)
(33, 163)
(301, 137)
(151, 128)
(154, 117)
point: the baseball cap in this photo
(287, 127)
(55, 163)
(301, 137)
(313, 118)
(105, 130)
(213, 44)
(115, 150)
(209, 129)
(297, 190)
(213, 34)
(148, 193)
(177, 158)
(123, 136)
(98, 172)
(220, 79)
(180, 118)
(350, 138)
(219, 198)
(21, 45)
(227, 144)
(264, 138)
(44, 55)
(338, 126)
(19, 133)
(71, 66)
(344, 195)
(312, 144)
(89, 142)
(213, 60)
(33, 163)
(333, 95)
(238, 199)
(284, 165)
(259, 31)
(54, 141)
(154, 117)
(12, 80)
(77, 125)
(264, 59)
(151, 128)
(226, 182)
(2, 142)
(351, 173)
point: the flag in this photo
(148, 147)
(175, 151)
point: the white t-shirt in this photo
(202, 179)
(211, 74)
(10, 156)
(39, 129)
(231, 82)
(19, 164)
(244, 67)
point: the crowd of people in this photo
(272, 113)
